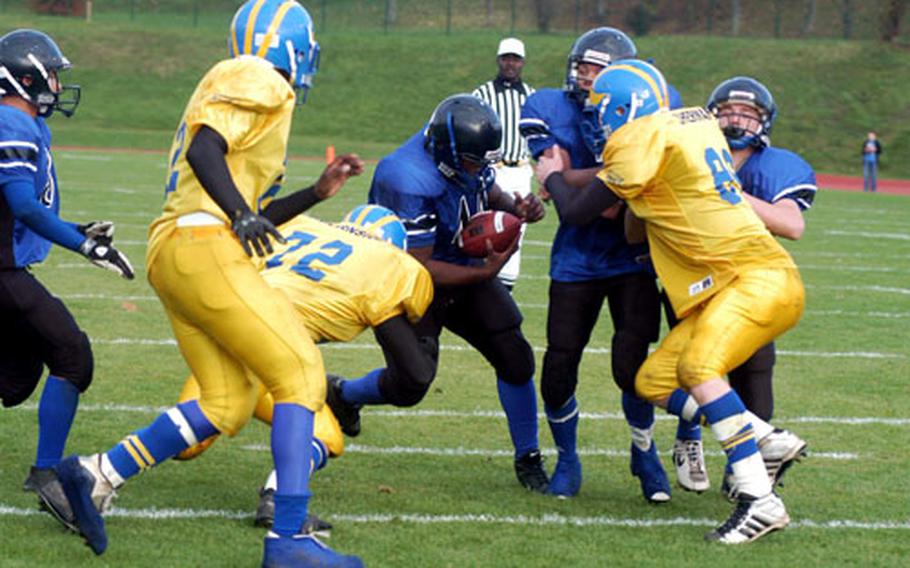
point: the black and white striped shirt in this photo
(506, 98)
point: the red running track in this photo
(851, 183)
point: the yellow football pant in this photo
(325, 427)
(226, 320)
(723, 332)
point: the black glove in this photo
(101, 231)
(250, 227)
(104, 255)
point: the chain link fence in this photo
(851, 19)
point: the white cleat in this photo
(780, 449)
(103, 490)
(752, 519)
(689, 459)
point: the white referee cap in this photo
(511, 46)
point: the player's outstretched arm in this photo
(335, 175)
(783, 218)
(206, 157)
(449, 274)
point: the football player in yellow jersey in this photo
(730, 281)
(227, 161)
(342, 279)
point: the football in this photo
(499, 227)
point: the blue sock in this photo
(292, 451)
(520, 405)
(738, 443)
(320, 456)
(364, 390)
(639, 412)
(685, 429)
(56, 412)
(564, 427)
(170, 433)
(639, 415)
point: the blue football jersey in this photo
(25, 156)
(432, 208)
(772, 174)
(596, 250)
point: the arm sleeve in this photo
(206, 157)
(282, 210)
(579, 206)
(20, 195)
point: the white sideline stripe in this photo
(461, 452)
(593, 350)
(106, 297)
(430, 413)
(885, 289)
(422, 519)
(841, 268)
(868, 234)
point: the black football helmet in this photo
(465, 130)
(29, 62)
(600, 46)
(748, 91)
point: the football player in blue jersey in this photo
(589, 264)
(37, 328)
(780, 185)
(435, 182)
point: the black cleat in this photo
(348, 415)
(530, 472)
(265, 516)
(265, 511)
(44, 482)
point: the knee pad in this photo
(18, 379)
(74, 361)
(559, 378)
(401, 393)
(629, 351)
(514, 363)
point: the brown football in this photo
(499, 227)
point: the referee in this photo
(506, 94)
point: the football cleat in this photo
(566, 479)
(265, 516)
(689, 459)
(781, 449)
(650, 472)
(530, 472)
(44, 482)
(83, 488)
(348, 415)
(753, 518)
(303, 550)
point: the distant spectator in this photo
(871, 149)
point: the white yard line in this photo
(549, 519)
(409, 413)
(537, 349)
(868, 234)
(488, 453)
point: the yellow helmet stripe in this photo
(662, 97)
(381, 223)
(273, 27)
(235, 50)
(358, 220)
(250, 24)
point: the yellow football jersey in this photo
(251, 106)
(675, 171)
(342, 283)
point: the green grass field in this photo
(433, 485)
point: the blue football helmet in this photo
(281, 32)
(30, 63)
(599, 46)
(747, 91)
(622, 92)
(376, 222)
(465, 133)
